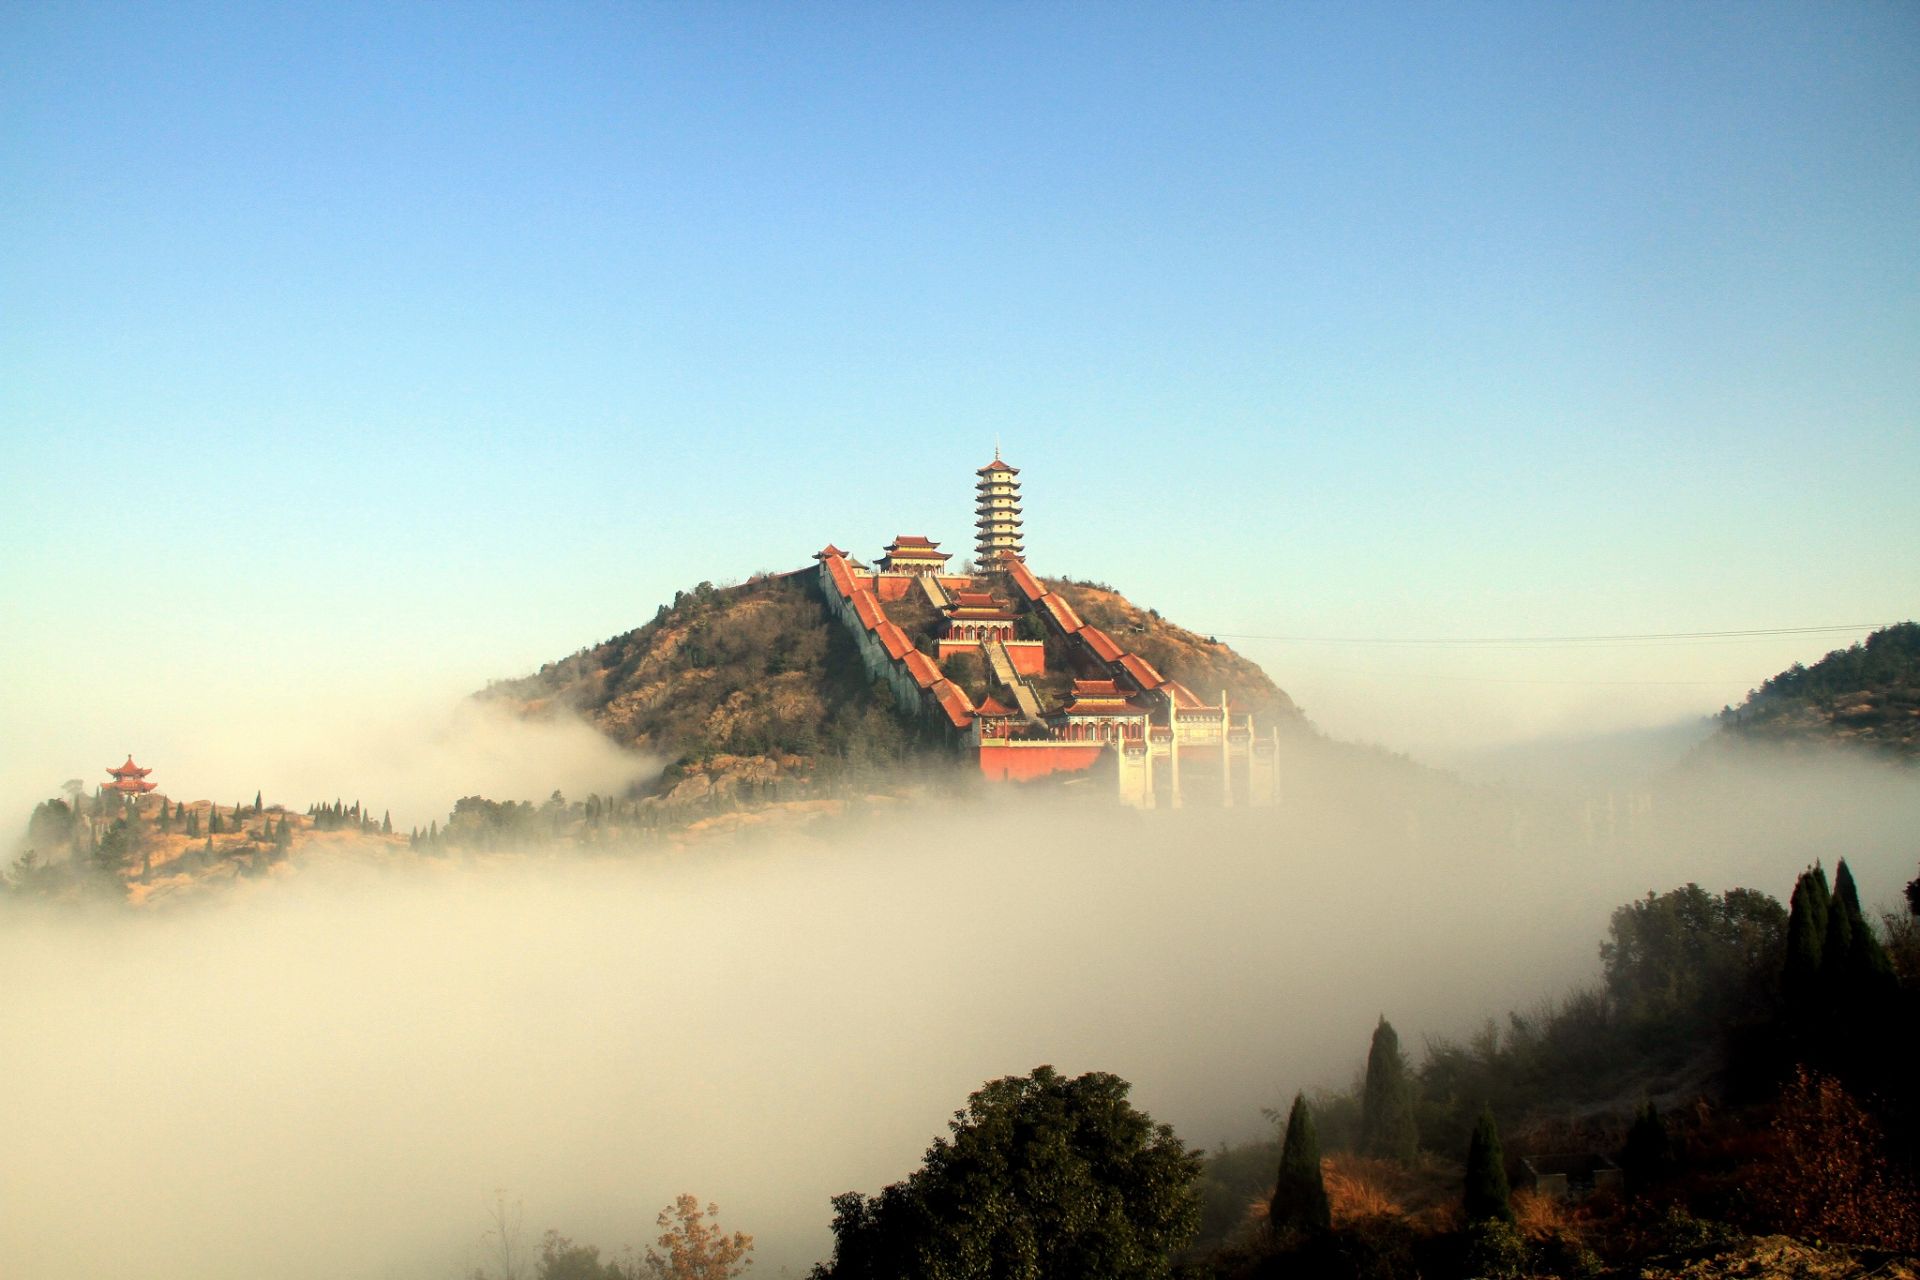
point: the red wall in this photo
(1020, 763)
(1028, 660)
(893, 588)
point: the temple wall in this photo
(1021, 761)
(1029, 657)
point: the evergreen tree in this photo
(1486, 1193)
(214, 825)
(256, 802)
(1865, 967)
(386, 823)
(1648, 1155)
(166, 818)
(208, 847)
(1300, 1193)
(193, 821)
(1806, 933)
(283, 838)
(1388, 1129)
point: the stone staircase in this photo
(935, 593)
(1003, 672)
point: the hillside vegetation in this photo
(1204, 665)
(1867, 695)
(751, 681)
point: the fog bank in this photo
(327, 1076)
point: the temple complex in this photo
(1024, 683)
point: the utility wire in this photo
(1649, 637)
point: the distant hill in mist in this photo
(1865, 696)
(746, 688)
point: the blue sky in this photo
(353, 351)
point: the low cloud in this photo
(329, 1075)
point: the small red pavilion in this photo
(129, 779)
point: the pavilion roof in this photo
(993, 707)
(1098, 689)
(911, 542)
(998, 465)
(128, 770)
(829, 550)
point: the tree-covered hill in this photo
(1867, 695)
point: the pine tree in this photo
(1486, 1192)
(1300, 1193)
(166, 818)
(193, 821)
(386, 823)
(1388, 1129)
(214, 826)
(256, 802)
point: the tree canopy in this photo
(1043, 1178)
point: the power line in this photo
(1648, 637)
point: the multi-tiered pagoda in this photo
(998, 510)
(129, 779)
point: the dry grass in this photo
(1427, 1193)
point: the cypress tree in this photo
(1649, 1152)
(1866, 967)
(256, 802)
(1486, 1192)
(1300, 1194)
(1388, 1129)
(166, 818)
(1806, 933)
(386, 823)
(213, 820)
(193, 821)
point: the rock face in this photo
(1866, 696)
(745, 688)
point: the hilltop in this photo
(757, 686)
(1867, 695)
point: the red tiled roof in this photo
(868, 608)
(1101, 643)
(904, 540)
(1142, 671)
(921, 668)
(828, 550)
(997, 465)
(895, 640)
(1062, 613)
(129, 770)
(953, 700)
(992, 707)
(841, 575)
(1023, 578)
(976, 599)
(1097, 689)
